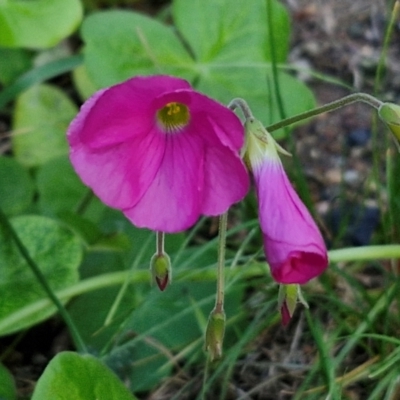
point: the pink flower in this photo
(294, 247)
(159, 151)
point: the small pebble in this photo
(358, 137)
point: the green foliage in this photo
(60, 189)
(56, 251)
(121, 44)
(226, 56)
(7, 385)
(13, 62)
(37, 23)
(42, 115)
(73, 376)
(17, 187)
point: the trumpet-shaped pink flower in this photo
(294, 247)
(159, 151)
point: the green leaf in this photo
(84, 85)
(42, 115)
(120, 44)
(79, 377)
(13, 62)
(7, 385)
(16, 188)
(56, 251)
(37, 23)
(231, 31)
(231, 44)
(60, 189)
(255, 85)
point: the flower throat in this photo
(173, 117)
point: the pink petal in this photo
(121, 112)
(225, 125)
(120, 174)
(172, 202)
(294, 247)
(226, 180)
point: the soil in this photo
(341, 39)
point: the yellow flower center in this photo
(173, 117)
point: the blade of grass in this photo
(37, 75)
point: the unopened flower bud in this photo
(215, 334)
(288, 297)
(160, 266)
(294, 247)
(390, 114)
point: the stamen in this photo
(173, 117)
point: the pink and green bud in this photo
(293, 245)
(390, 114)
(160, 266)
(288, 297)
(215, 334)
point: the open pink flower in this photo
(161, 152)
(294, 247)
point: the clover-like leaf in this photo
(42, 115)
(225, 48)
(38, 23)
(79, 377)
(56, 251)
(120, 44)
(231, 31)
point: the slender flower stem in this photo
(334, 105)
(240, 103)
(43, 281)
(160, 243)
(219, 301)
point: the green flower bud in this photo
(215, 334)
(390, 114)
(160, 267)
(288, 297)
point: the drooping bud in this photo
(390, 114)
(215, 334)
(160, 267)
(294, 247)
(288, 297)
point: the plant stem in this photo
(219, 301)
(43, 281)
(240, 103)
(160, 243)
(334, 105)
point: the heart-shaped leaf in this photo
(144, 46)
(37, 23)
(228, 52)
(42, 115)
(79, 377)
(55, 250)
